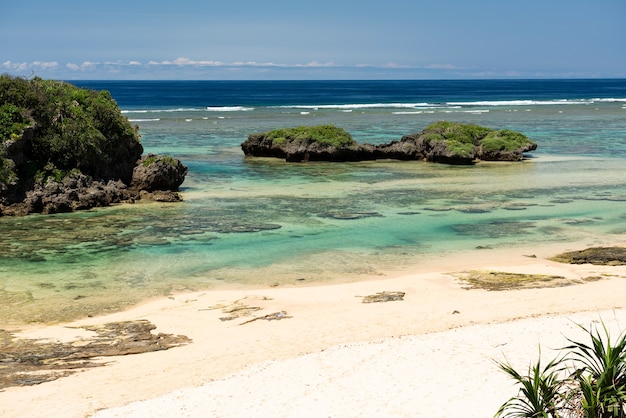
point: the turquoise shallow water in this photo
(265, 222)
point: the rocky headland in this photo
(64, 148)
(441, 142)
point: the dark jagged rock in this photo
(63, 148)
(74, 192)
(441, 142)
(154, 172)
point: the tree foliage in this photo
(73, 128)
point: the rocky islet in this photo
(441, 142)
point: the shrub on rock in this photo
(441, 142)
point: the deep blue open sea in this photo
(261, 222)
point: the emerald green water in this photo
(264, 222)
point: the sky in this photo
(315, 39)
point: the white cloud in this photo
(184, 62)
(443, 67)
(257, 64)
(45, 65)
(15, 66)
(317, 64)
(86, 66)
(387, 66)
(183, 67)
(393, 65)
(89, 66)
(33, 66)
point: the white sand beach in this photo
(429, 355)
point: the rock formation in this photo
(63, 148)
(441, 142)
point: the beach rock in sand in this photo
(385, 296)
(441, 142)
(30, 362)
(606, 256)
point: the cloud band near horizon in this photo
(186, 68)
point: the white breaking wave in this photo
(180, 109)
(418, 112)
(609, 100)
(537, 102)
(144, 120)
(414, 106)
(442, 110)
(228, 108)
(361, 106)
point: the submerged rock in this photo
(441, 142)
(350, 215)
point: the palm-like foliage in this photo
(601, 374)
(596, 388)
(539, 395)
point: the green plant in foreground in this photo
(539, 394)
(596, 388)
(602, 374)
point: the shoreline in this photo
(322, 318)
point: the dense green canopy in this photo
(323, 134)
(49, 128)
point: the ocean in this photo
(254, 222)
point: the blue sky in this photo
(316, 39)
